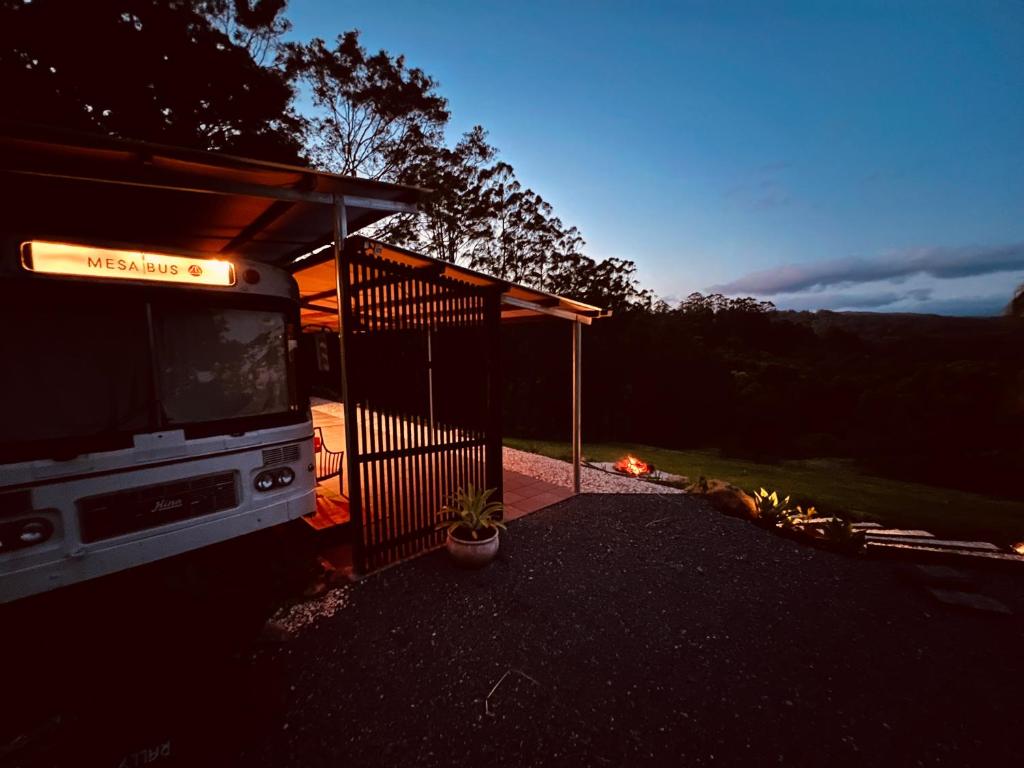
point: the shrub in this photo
(769, 509)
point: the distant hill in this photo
(900, 326)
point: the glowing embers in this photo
(631, 465)
(117, 264)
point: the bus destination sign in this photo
(86, 261)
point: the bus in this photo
(150, 405)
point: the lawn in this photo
(832, 485)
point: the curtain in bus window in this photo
(217, 364)
(76, 370)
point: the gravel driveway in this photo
(642, 630)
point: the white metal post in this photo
(577, 405)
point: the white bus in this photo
(149, 405)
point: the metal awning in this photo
(316, 276)
(72, 186)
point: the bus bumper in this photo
(118, 555)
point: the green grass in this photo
(832, 485)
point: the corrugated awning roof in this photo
(317, 289)
(62, 185)
(72, 186)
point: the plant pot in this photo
(470, 553)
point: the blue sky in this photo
(837, 154)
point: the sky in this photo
(843, 155)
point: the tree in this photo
(697, 304)
(1016, 306)
(154, 70)
(455, 216)
(611, 284)
(256, 25)
(372, 116)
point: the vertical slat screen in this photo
(410, 466)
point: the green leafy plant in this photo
(770, 510)
(474, 513)
(795, 519)
(840, 532)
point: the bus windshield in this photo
(86, 370)
(216, 364)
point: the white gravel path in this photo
(592, 480)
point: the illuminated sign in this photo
(86, 261)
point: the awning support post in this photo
(341, 287)
(577, 405)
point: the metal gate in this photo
(422, 401)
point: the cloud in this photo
(943, 263)
(917, 300)
(814, 301)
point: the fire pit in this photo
(631, 465)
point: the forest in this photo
(938, 400)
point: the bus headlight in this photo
(34, 532)
(285, 476)
(264, 481)
(18, 534)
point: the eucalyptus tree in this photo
(370, 115)
(455, 215)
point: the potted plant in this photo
(473, 533)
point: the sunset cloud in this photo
(942, 263)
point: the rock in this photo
(939, 576)
(973, 602)
(274, 632)
(727, 498)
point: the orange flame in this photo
(631, 465)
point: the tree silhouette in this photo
(256, 26)
(1016, 306)
(372, 115)
(455, 217)
(148, 69)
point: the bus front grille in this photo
(115, 514)
(282, 455)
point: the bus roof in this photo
(74, 186)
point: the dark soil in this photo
(466, 534)
(624, 630)
(648, 630)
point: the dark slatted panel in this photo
(414, 451)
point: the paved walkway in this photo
(525, 494)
